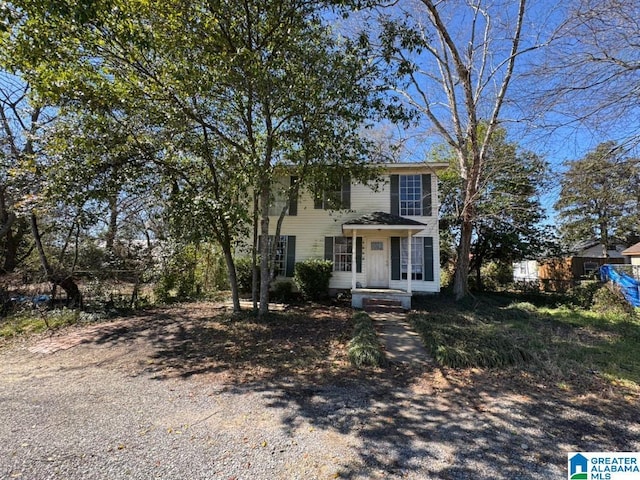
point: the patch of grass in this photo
(566, 344)
(364, 347)
(605, 344)
(33, 321)
(462, 342)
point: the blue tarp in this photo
(629, 286)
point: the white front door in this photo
(377, 263)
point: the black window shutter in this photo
(395, 194)
(317, 201)
(428, 259)
(395, 258)
(346, 193)
(328, 248)
(293, 196)
(291, 255)
(426, 195)
(359, 254)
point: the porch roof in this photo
(382, 221)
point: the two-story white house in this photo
(384, 242)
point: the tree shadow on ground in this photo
(408, 422)
(184, 342)
(475, 429)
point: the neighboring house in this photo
(633, 253)
(369, 237)
(561, 273)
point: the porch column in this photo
(409, 262)
(353, 259)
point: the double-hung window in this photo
(284, 258)
(339, 250)
(410, 195)
(417, 261)
(342, 254)
(335, 196)
(422, 261)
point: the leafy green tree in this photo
(232, 91)
(508, 211)
(599, 197)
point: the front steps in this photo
(382, 305)
(385, 298)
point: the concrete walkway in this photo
(401, 343)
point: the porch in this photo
(378, 230)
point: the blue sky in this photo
(544, 126)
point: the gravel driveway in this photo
(76, 408)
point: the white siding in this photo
(525, 271)
(311, 226)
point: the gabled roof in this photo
(382, 221)
(632, 250)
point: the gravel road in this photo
(90, 410)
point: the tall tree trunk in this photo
(113, 224)
(265, 278)
(227, 250)
(472, 178)
(460, 278)
(13, 240)
(65, 281)
(254, 255)
(604, 239)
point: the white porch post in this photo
(409, 262)
(353, 260)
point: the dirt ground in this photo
(286, 380)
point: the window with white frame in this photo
(417, 262)
(410, 195)
(280, 258)
(342, 254)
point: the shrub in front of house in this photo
(312, 278)
(282, 291)
(244, 274)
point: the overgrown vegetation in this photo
(36, 321)
(191, 271)
(364, 347)
(565, 344)
(461, 341)
(312, 278)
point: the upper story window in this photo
(334, 197)
(284, 195)
(279, 202)
(410, 195)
